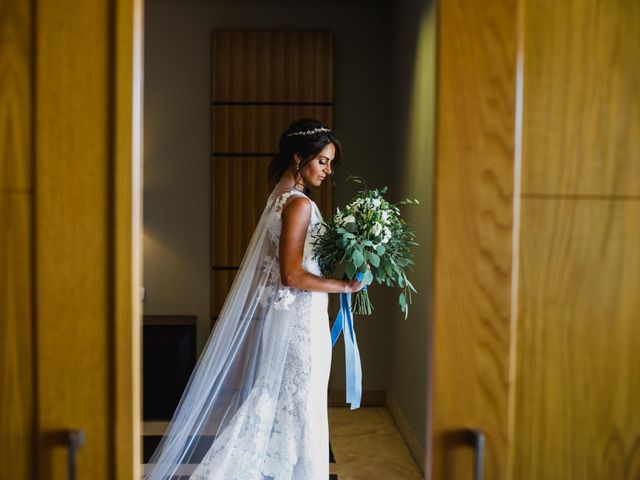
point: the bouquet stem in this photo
(361, 305)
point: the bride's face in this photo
(319, 168)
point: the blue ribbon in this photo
(344, 321)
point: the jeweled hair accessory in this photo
(309, 132)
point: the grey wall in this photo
(413, 124)
(177, 137)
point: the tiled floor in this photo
(367, 446)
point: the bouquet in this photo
(369, 231)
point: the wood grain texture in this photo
(257, 128)
(126, 232)
(286, 66)
(17, 375)
(473, 234)
(582, 98)
(579, 327)
(74, 245)
(240, 190)
(16, 81)
(578, 359)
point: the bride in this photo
(255, 406)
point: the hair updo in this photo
(307, 146)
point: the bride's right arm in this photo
(296, 216)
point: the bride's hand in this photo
(354, 285)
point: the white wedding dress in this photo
(285, 437)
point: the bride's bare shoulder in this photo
(297, 206)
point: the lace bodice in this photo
(284, 296)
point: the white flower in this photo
(376, 229)
(349, 218)
(376, 202)
(386, 235)
(385, 215)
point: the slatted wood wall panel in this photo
(17, 376)
(262, 81)
(285, 66)
(578, 368)
(257, 128)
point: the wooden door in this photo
(536, 320)
(70, 223)
(577, 367)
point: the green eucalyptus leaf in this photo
(350, 226)
(368, 277)
(374, 259)
(364, 267)
(350, 269)
(380, 249)
(357, 257)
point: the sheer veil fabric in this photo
(255, 404)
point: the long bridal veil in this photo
(237, 378)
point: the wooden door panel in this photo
(73, 237)
(17, 402)
(578, 360)
(472, 338)
(17, 375)
(581, 101)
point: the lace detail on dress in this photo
(287, 434)
(274, 291)
(239, 463)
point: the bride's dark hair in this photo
(307, 146)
